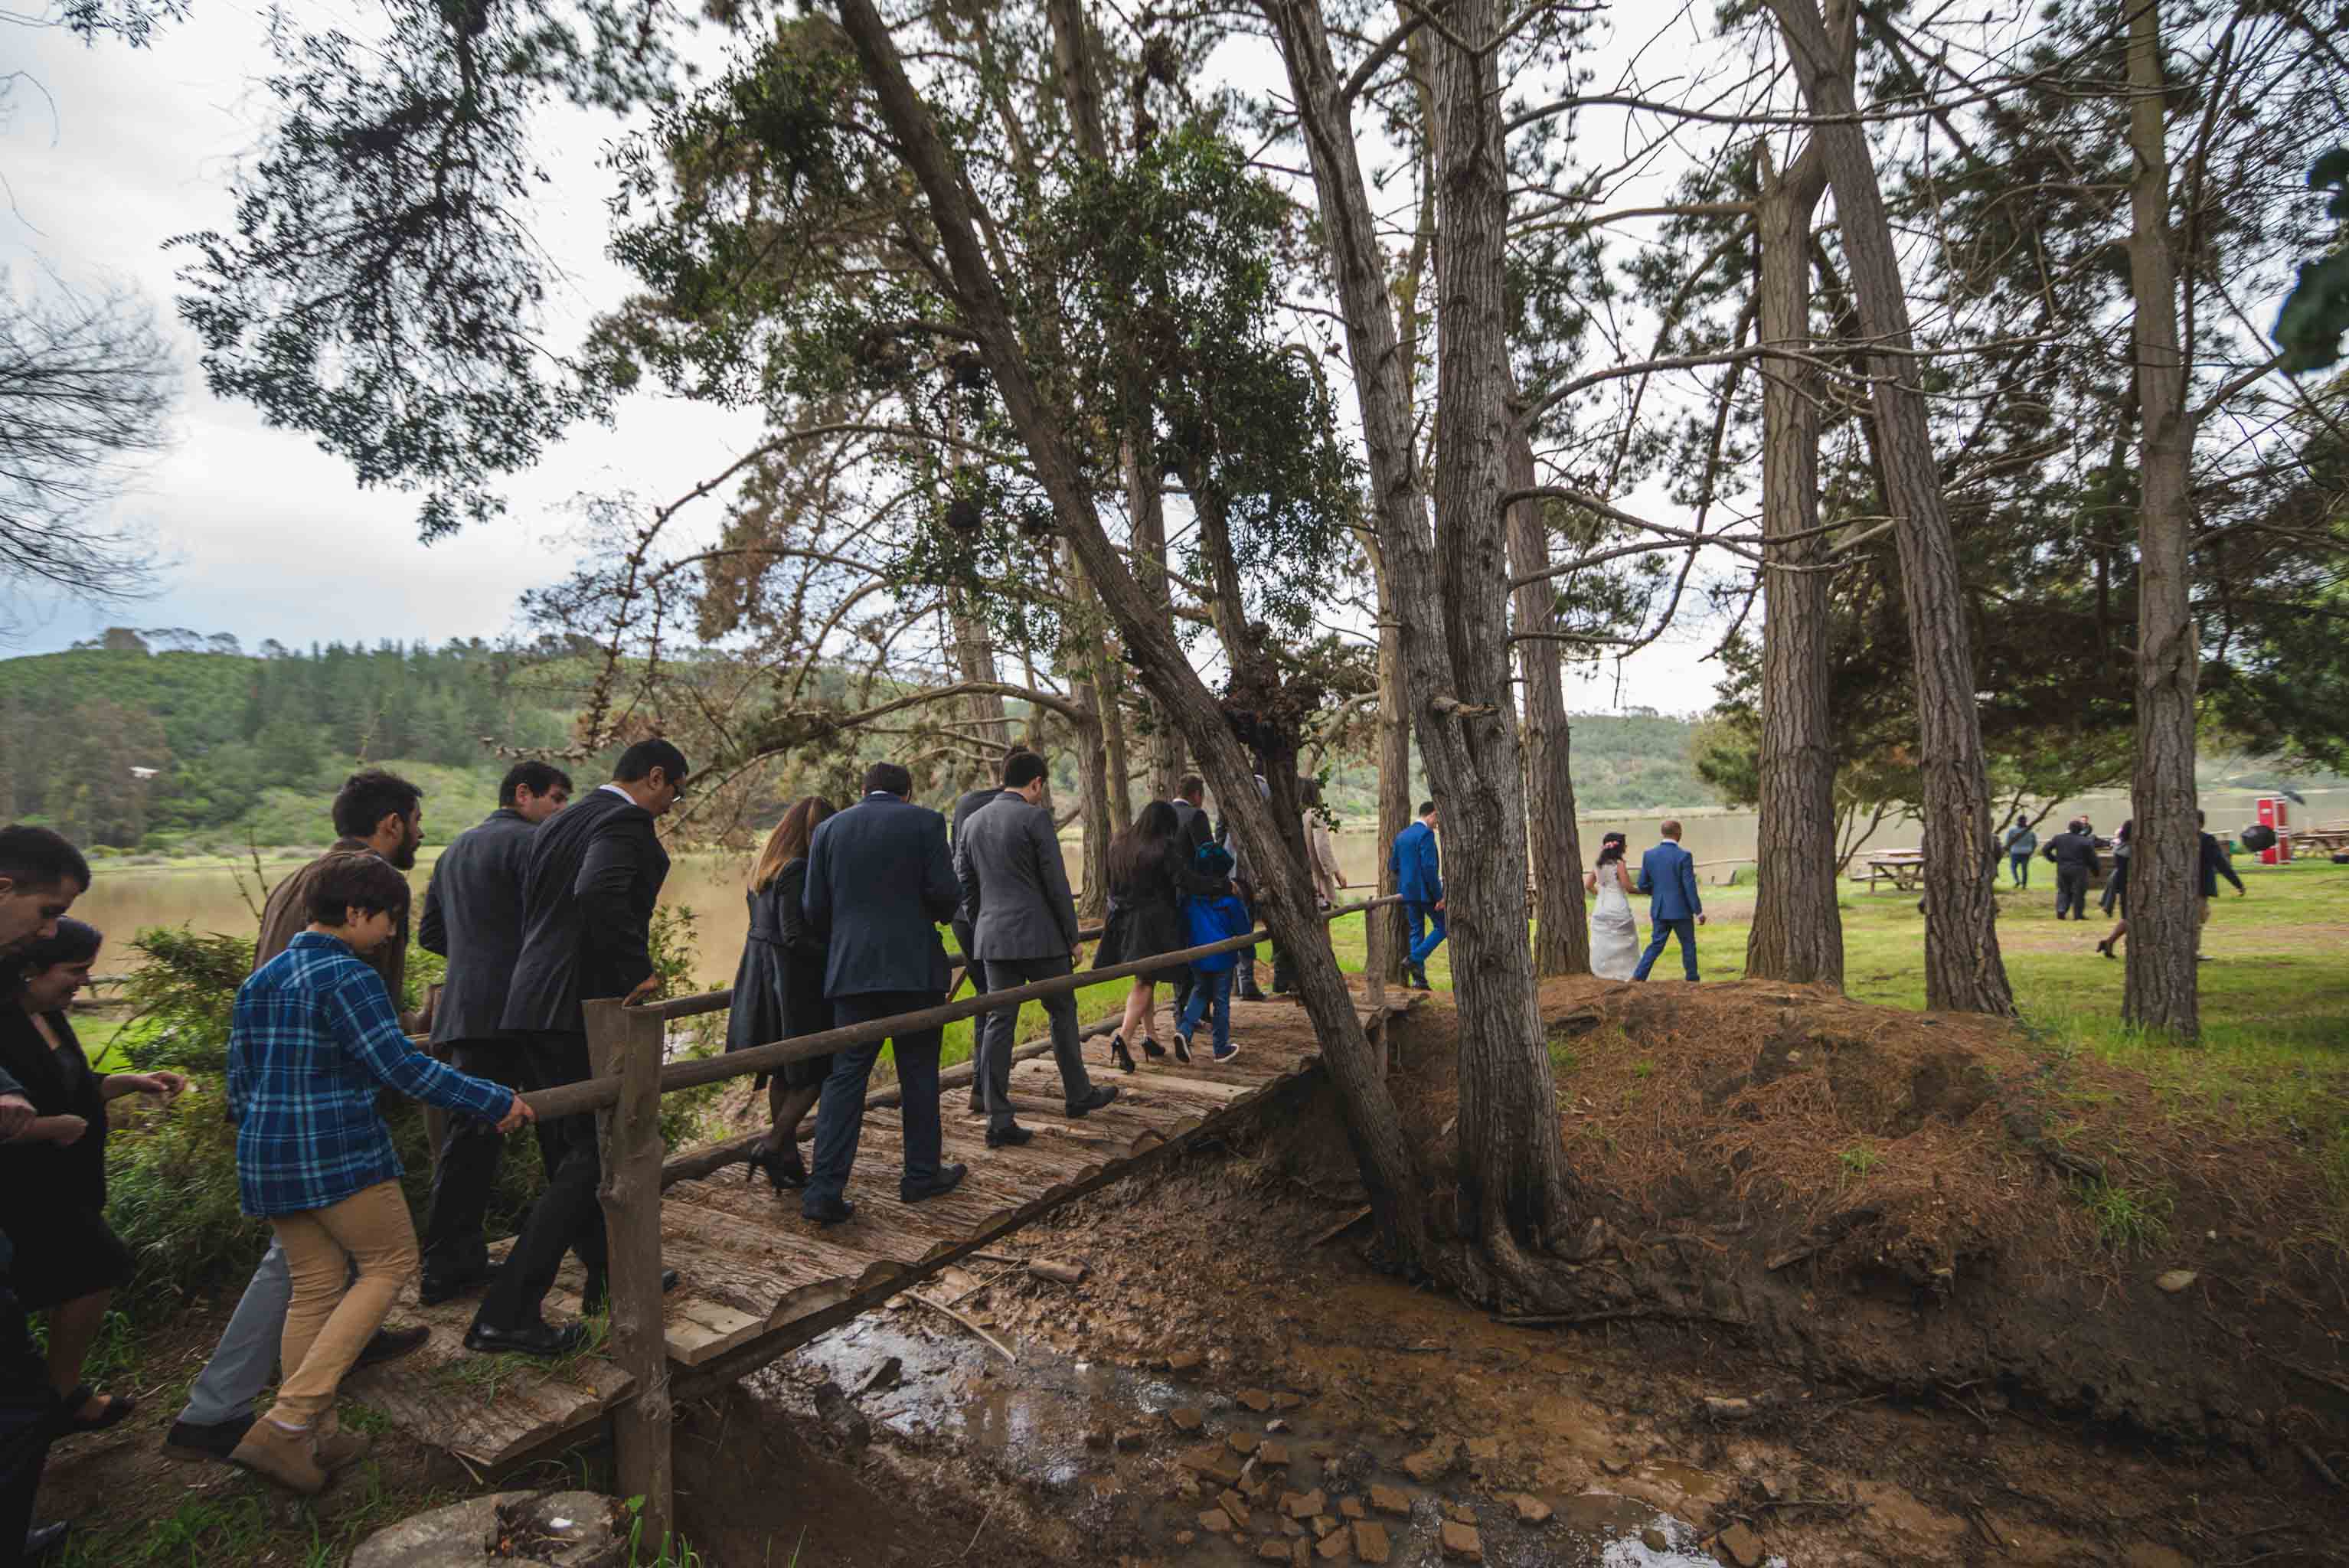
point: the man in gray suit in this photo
(1024, 928)
(879, 882)
(970, 804)
(472, 917)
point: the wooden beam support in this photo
(625, 1044)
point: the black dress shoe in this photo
(193, 1440)
(432, 1292)
(1008, 1136)
(597, 1295)
(948, 1178)
(44, 1542)
(1252, 994)
(539, 1339)
(1098, 1096)
(826, 1210)
(391, 1344)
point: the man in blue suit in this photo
(1418, 868)
(1668, 875)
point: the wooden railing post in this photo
(625, 1044)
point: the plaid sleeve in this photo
(358, 1010)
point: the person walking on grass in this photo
(1024, 929)
(375, 813)
(1418, 867)
(1668, 876)
(2074, 851)
(313, 1043)
(2021, 839)
(594, 875)
(1211, 917)
(2209, 866)
(472, 917)
(880, 881)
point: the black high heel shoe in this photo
(1151, 1048)
(785, 1174)
(1120, 1054)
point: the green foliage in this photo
(182, 994)
(2316, 313)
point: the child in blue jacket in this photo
(1211, 918)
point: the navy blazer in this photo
(1668, 872)
(596, 871)
(879, 882)
(1417, 864)
(472, 917)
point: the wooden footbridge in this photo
(755, 1280)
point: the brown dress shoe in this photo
(339, 1450)
(272, 1452)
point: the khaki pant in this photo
(326, 1325)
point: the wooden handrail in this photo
(702, 1002)
(600, 1093)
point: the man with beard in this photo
(376, 813)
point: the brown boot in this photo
(269, 1450)
(339, 1450)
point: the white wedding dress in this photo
(1614, 930)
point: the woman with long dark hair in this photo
(779, 991)
(1614, 928)
(1149, 874)
(68, 1259)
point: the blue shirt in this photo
(1417, 865)
(315, 1037)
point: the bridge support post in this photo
(625, 1043)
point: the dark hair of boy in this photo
(1190, 786)
(534, 775)
(366, 797)
(34, 857)
(888, 778)
(361, 882)
(1022, 769)
(639, 762)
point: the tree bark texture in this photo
(1798, 932)
(1963, 971)
(626, 1045)
(1080, 662)
(1286, 901)
(1385, 942)
(1561, 931)
(1144, 502)
(2164, 846)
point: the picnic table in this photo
(1904, 869)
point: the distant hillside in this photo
(1622, 762)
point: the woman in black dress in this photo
(1149, 876)
(68, 1261)
(779, 990)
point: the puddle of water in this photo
(1029, 1422)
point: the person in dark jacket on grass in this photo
(2074, 851)
(779, 991)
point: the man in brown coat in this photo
(378, 813)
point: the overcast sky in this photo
(258, 533)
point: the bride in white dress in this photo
(1614, 929)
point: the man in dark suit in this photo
(594, 875)
(1190, 817)
(1008, 860)
(879, 884)
(1667, 875)
(971, 802)
(1418, 867)
(1244, 880)
(472, 917)
(2074, 851)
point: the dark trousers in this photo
(962, 936)
(840, 1116)
(995, 1031)
(466, 1165)
(28, 1424)
(1244, 972)
(2018, 867)
(1685, 929)
(2072, 891)
(567, 1217)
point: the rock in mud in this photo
(1743, 1547)
(1460, 1540)
(1188, 1418)
(1655, 1540)
(1459, 1513)
(1288, 1401)
(1185, 1537)
(1371, 1541)
(1483, 1448)
(1211, 1459)
(2177, 1280)
(1235, 1506)
(886, 1376)
(1214, 1523)
(1349, 1508)
(1272, 1454)
(1182, 1361)
(1303, 1505)
(1428, 1464)
(1132, 1437)
(1256, 1399)
(1391, 1500)
(1270, 1549)
(1242, 1444)
(843, 1419)
(1324, 1524)
(1334, 1546)
(1532, 1510)
(448, 1537)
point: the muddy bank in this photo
(1929, 1205)
(1212, 1298)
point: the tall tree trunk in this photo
(1080, 661)
(1963, 971)
(1145, 502)
(1798, 932)
(1386, 938)
(2164, 846)
(1287, 899)
(974, 652)
(1562, 937)
(1118, 765)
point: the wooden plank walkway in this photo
(757, 1281)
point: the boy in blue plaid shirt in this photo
(316, 1036)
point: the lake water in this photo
(126, 898)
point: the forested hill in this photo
(196, 747)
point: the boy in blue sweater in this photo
(1211, 918)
